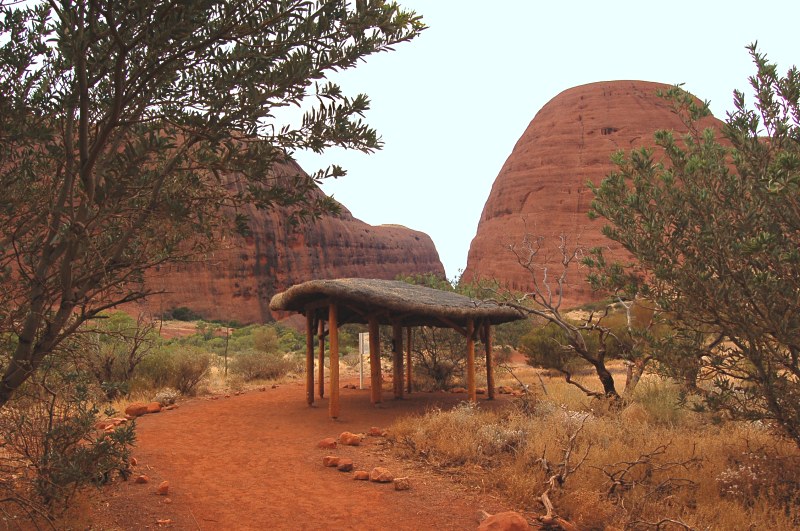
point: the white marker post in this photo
(363, 348)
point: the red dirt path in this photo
(251, 462)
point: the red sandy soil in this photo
(171, 329)
(252, 462)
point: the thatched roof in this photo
(391, 301)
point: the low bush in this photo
(259, 365)
(181, 313)
(51, 449)
(439, 358)
(189, 367)
(176, 366)
(545, 347)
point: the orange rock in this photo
(141, 479)
(345, 465)
(505, 390)
(541, 189)
(330, 460)
(380, 474)
(376, 432)
(361, 475)
(154, 407)
(171, 407)
(458, 390)
(134, 461)
(480, 391)
(136, 409)
(350, 439)
(328, 443)
(229, 287)
(402, 483)
(163, 488)
(507, 521)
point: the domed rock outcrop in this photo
(541, 189)
(238, 281)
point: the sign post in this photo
(363, 348)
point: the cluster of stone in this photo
(345, 464)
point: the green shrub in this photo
(182, 314)
(439, 357)
(258, 365)
(265, 339)
(51, 448)
(155, 371)
(179, 366)
(544, 347)
(511, 334)
(190, 366)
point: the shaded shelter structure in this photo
(328, 304)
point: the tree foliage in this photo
(714, 227)
(132, 132)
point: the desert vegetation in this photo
(653, 465)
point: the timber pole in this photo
(487, 341)
(374, 360)
(333, 334)
(408, 360)
(310, 357)
(321, 382)
(472, 395)
(397, 357)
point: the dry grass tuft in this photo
(653, 462)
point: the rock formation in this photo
(237, 281)
(541, 189)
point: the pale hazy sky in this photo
(451, 104)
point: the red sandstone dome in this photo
(238, 281)
(541, 189)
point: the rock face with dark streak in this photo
(237, 282)
(541, 189)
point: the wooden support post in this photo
(471, 394)
(408, 360)
(397, 359)
(310, 357)
(321, 382)
(375, 360)
(333, 334)
(487, 341)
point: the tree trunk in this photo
(609, 388)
